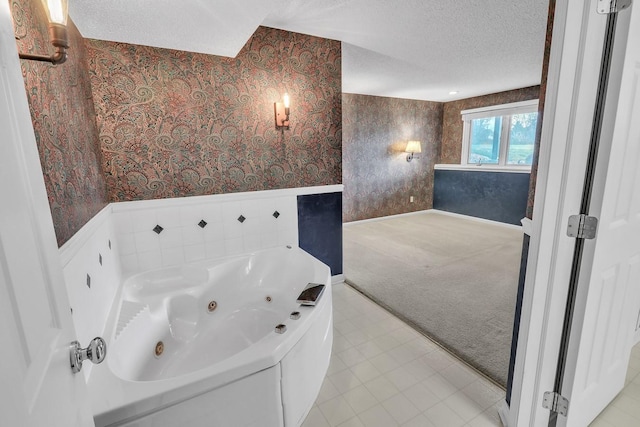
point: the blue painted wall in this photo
(498, 196)
(518, 314)
(320, 228)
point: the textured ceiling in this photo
(217, 27)
(418, 49)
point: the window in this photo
(501, 135)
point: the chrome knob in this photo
(95, 352)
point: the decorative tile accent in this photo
(88, 281)
(233, 224)
(158, 229)
(100, 258)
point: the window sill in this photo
(484, 168)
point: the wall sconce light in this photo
(57, 14)
(281, 112)
(413, 147)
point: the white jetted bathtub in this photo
(215, 343)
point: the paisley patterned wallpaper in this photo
(451, 149)
(62, 111)
(377, 177)
(175, 123)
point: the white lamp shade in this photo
(413, 147)
(56, 11)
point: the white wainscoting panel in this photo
(162, 233)
(92, 273)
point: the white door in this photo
(604, 319)
(607, 305)
(37, 387)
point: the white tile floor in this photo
(624, 411)
(385, 374)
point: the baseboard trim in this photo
(337, 279)
(474, 218)
(503, 411)
(382, 218)
(429, 211)
(527, 226)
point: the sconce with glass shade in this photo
(57, 14)
(281, 111)
(413, 147)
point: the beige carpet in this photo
(453, 278)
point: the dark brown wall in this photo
(378, 180)
(176, 123)
(62, 111)
(543, 96)
(451, 148)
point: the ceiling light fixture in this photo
(57, 15)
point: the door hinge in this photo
(555, 402)
(604, 7)
(582, 226)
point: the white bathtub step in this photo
(129, 310)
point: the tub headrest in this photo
(195, 274)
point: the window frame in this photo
(505, 111)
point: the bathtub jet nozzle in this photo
(159, 348)
(212, 306)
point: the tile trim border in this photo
(226, 197)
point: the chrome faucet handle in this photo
(95, 352)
